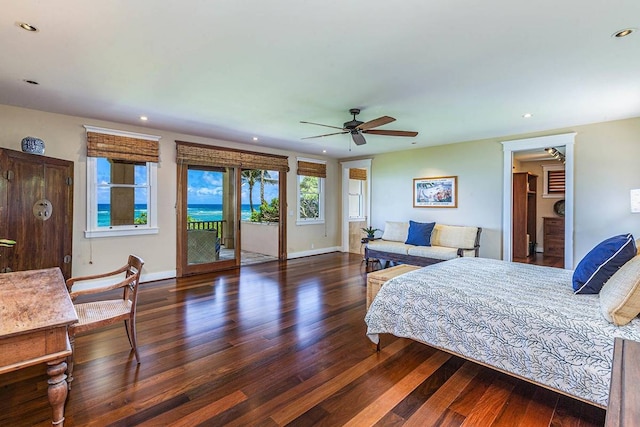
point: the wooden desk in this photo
(35, 311)
(624, 398)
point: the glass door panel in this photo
(210, 222)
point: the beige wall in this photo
(65, 138)
(606, 168)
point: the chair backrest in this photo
(133, 268)
(129, 283)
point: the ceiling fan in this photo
(357, 128)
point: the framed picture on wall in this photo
(438, 192)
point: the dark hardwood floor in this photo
(540, 258)
(277, 344)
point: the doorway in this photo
(356, 205)
(511, 148)
(215, 217)
(207, 218)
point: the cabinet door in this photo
(37, 211)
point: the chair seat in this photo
(92, 314)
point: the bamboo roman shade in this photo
(208, 155)
(312, 169)
(556, 181)
(359, 174)
(119, 147)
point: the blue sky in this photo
(204, 187)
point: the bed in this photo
(521, 319)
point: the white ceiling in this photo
(451, 70)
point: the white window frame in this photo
(151, 227)
(321, 183)
(361, 204)
(545, 181)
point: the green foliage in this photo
(370, 231)
(141, 219)
(309, 197)
(267, 212)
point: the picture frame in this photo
(436, 192)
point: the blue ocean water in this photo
(199, 212)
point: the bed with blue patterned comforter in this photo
(521, 319)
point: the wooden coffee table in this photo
(376, 279)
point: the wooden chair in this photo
(101, 312)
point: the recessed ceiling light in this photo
(324, 151)
(31, 82)
(27, 27)
(527, 115)
(255, 138)
(144, 118)
(623, 33)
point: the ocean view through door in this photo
(209, 236)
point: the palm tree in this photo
(250, 176)
(265, 178)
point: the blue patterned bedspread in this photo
(522, 319)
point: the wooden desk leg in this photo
(57, 389)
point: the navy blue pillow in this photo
(602, 262)
(420, 233)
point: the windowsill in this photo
(357, 219)
(310, 222)
(115, 232)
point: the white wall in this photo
(606, 168)
(65, 138)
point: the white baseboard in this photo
(320, 251)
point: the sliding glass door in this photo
(208, 218)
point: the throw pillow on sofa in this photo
(420, 233)
(395, 231)
(602, 262)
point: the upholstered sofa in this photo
(441, 243)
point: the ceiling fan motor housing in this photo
(352, 124)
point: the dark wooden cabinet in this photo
(36, 210)
(524, 213)
(553, 236)
(624, 395)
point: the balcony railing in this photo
(207, 225)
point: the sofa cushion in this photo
(420, 233)
(396, 231)
(388, 246)
(620, 296)
(454, 236)
(436, 252)
(602, 262)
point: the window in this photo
(121, 185)
(356, 199)
(553, 181)
(357, 185)
(311, 175)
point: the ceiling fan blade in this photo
(326, 134)
(376, 122)
(358, 138)
(391, 132)
(320, 124)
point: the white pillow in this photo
(620, 295)
(396, 231)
